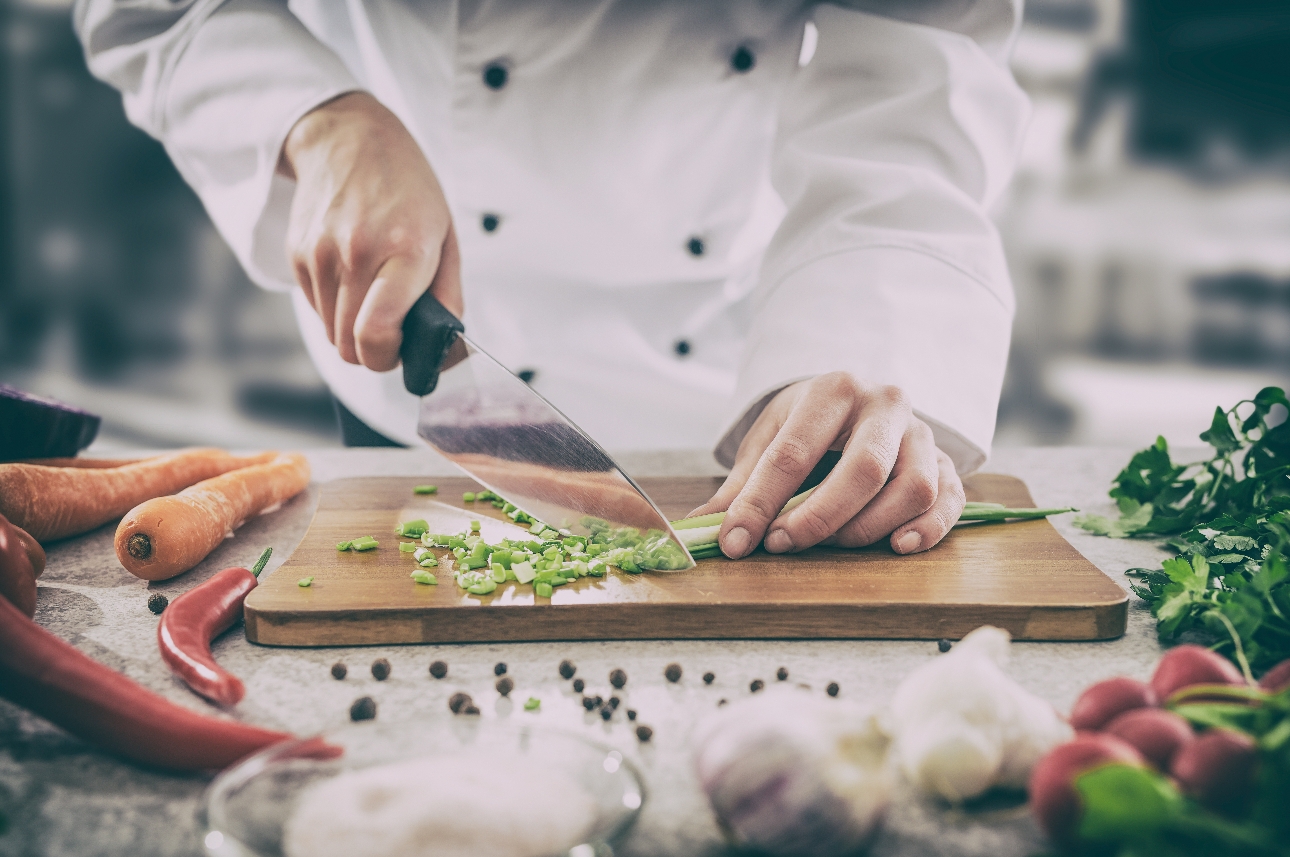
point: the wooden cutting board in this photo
(1020, 576)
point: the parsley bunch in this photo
(1229, 520)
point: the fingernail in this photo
(737, 543)
(778, 542)
(909, 542)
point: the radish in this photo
(1218, 769)
(1187, 665)
(1053, 799)
(1276, 679)
(1106, 700)
(1155, 733)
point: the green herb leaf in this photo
(1125, 802)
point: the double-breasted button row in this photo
(496, 74)
(495, 77)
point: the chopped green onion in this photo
(468, 497)
(524, 572)
(482, 588)
(367, 543)
(409, 547)
(543, 590)
(424, 577)
(344, 546)
(426, 489)
(412, 529)
(305, 582)
(474, 526)
(532, 703)
(261, 562)
(499, 574)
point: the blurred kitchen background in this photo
(1148, 232)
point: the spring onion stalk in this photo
(547, 558)
(426, 489)
(999, 512)
(699, 534)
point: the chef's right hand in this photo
(369, 228)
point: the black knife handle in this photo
(429, 330)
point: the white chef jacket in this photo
(667, 210)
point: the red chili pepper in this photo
(21, 561)
(198, 616)
(40, 672)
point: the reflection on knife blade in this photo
(519, 446)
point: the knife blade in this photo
(479, 415)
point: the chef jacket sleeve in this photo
(220, 84)
(892, 144)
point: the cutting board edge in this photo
(887, 621)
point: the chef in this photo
(759, 227)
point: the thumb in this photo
(378, 328)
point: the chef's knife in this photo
(494, 426)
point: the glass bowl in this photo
(248, 806)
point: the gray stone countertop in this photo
(63, 798)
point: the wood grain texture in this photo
(1020, 576)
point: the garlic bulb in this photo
(960, 726)
(793, 774)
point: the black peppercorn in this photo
(832, 689)
(631, 714)
(578, 685)
(672, 672)
(157, 602)
(644, 733)
(606, 713)
(614, 702)
(618, 678)
(757, 684)
(458, 701)
(363, 709)
(438, 669)
(588, 702)
(782, 674)
(380, 669)
(505, 685)
(721, 702)
(598, 700)
(709, 678)
(499, 669)
(944, 645)
(567, 669)
(339, 671)
(470, 709)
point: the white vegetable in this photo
(794, 774)
(960, 726)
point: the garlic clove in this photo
(794, 775)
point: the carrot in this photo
(169, 535)
(57, 502)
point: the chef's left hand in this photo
(891, 480)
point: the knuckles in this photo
(810, 524)
(922, 491)
(871, 468)
(789, 455)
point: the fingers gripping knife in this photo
(508, 438)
